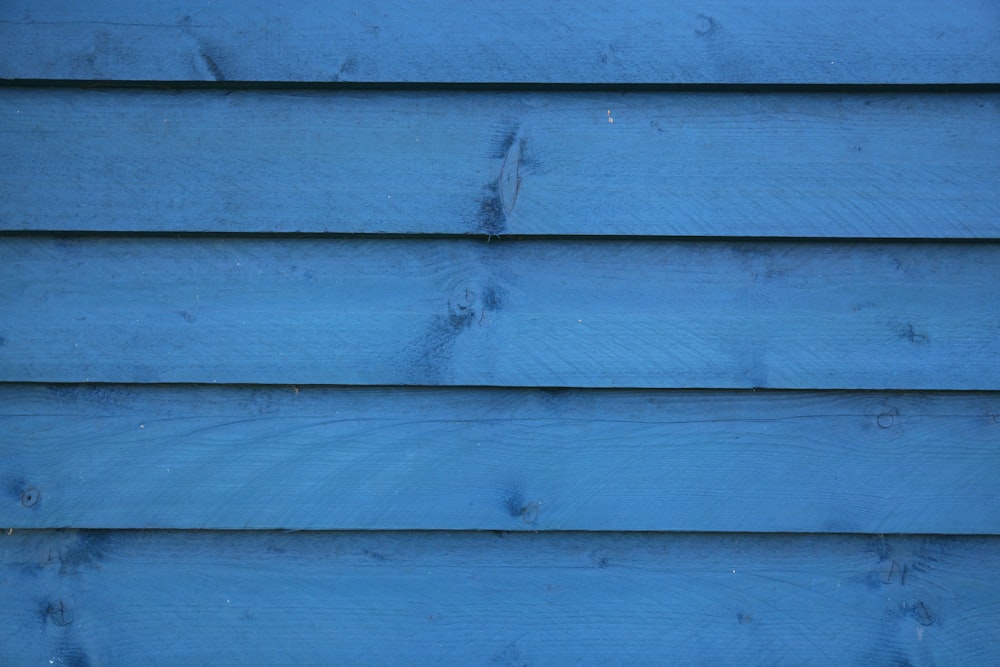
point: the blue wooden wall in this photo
(500, 333)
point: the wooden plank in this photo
(544, 312)
(711, 41)
(107, 456)
(682, 164)
(168, 598)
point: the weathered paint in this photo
(542, 164)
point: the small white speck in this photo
(734, 571)
(142, 426)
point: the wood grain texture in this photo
(559, 312)
(107, 456)
(480, 598)
(681, 164)
(710, 41)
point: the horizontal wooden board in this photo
(681, 164)
(481, 598)
(634, 41)
(544, 312)
(107, 456)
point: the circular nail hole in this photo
(30, 497)
(885, 420)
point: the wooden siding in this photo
(464, 333)
(394, 41)
(316, 458)
(556, 312)
(818, 164)
(423, 598)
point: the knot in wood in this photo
(469, 304)
(465, 307)
(30, 497)
(59, 613)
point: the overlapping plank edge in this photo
(885, 164)
(197, 457)
(772, 41)
(155, 597)
(641, 313)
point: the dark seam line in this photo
(758, 88)
(481, 237)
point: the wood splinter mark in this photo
(501, 194)
(212, 65)
(509, 183)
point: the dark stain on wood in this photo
(907, 331)
(212, 66)
(707, 27)
(501, 195)
(58, 612)
(13, 484)
(517, 506)
(468, 307)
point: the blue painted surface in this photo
(483, 598)
(599, 280)
(876, 165)
(323, 458)
(545, 41)
(556, 312)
